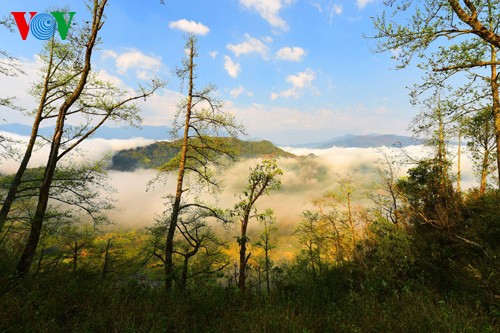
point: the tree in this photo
(386, 194)
(469, 36)
(431, 125)
(8, 67)
(479, 131)
(203, 146)
(262, 179)
(267, 244)
(312, 234)
(198, 236)
(77, 239)
(196, 244)
(79, 93)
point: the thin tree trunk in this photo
(494, 87)
(169, 245)
(351, 223)
(486, 157)
(268, 284)
(57, 260)
(441, 151)
(106, 260)
(75, 256)
(243, 256)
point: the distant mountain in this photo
(163, 132)
(365, 141)
(157, 154)
(104, 132)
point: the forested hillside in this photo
(157, 154)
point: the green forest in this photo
(400, 245)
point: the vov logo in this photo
(43, 26)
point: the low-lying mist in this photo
(305, 178)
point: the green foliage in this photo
(429, 195)
(155, 155)
(401, 279)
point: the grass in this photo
(82, 303)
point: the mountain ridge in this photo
(157, 154)
(363, 141)
(163, 132)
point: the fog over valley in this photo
(139, 200)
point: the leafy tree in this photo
(479, 132)
(77, 239)
(465, 37)
(385, 193)
(8, 67)
(311, 233)
(267, 244)
(202, 147)
(196, 244)
(262, 179)
(198, 236)
(77, 92)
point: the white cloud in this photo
(193, 27)
(302, 79)
(106, 54)
(267, 39)
(299, 82)
(213, 54)
(160, 108)
(269, 10)
(235, 92)
(291, 53)
(337, 9)
(327, 7)
(362, 3)
(251, 45)
(232, 68)
(105, 76)
(144, 65)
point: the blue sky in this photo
(293, 71)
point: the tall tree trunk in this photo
(169, 245)
(494, 86)
(441, 151)
(243, 256)
(484, 172)
(13, 187)
(24, 264)
(496, 106)
(29, 251)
